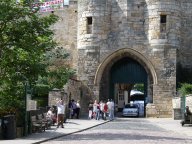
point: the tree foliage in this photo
(59, 70)
(25, 40)
(185, 89)
(139, 87)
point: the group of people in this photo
(97, 110)
(74, 109)
(58, 116)
(101, 109)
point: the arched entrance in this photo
(121, 71)
(125, 76)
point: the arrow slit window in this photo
(89, 25)
(163, 21)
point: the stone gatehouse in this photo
(115, 44)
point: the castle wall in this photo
(132, 25)
(66, 30)
(185, 51)
(184, 65)
(93, 30)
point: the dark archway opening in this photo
(120, 78)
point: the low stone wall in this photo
(188, 101)
(151, 110)
(179, 104)
(55, 95)
(78, 91)
(177, 114)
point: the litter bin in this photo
(9, 127)
(1, 134)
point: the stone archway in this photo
(105, 66)
(116, 55)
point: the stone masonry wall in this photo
(185, 51)
(76, 90)
(135, 25)
(128, 27)
(189, 101)
(179, 104)
(66, 30)
(164, 45)
(89, 44)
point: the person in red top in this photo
(105, 110)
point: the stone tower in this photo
(147, 31)
(93, 29)
(163, 31)
(121, 43)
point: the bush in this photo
(185, 89)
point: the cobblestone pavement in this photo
(125, 131)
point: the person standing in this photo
(102, 109)
(74, 106)
(105, 109)
(90, 110)
(112, 110)
(60, 113)
(78, 109)
(96, 110)
(109, 108)
(70, 106)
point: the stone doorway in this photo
(113, 71)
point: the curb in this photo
(62, 135)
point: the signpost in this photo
(27, 94)
(26, 97)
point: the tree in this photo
(139, 87)
(58, 73)
(59, 70)
(25, 38)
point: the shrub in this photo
(185, 89)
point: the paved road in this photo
(125, 131)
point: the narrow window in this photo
(89, 25)
(163, 20)
(89, 20)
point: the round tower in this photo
(162, 27)
(163, 22)
(93, 27)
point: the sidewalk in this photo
(71, 126)
(77, 125)
(172, 125)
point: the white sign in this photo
(31, 105)
(176, 102)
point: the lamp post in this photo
(27, 92)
